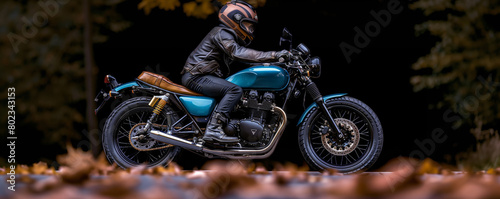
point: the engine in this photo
(253, 122)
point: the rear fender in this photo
(125, 86)
(315, 105)
(112, 92)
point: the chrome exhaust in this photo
(170, 139)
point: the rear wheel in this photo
(124, 122)
(356, 151)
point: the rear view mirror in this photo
(286, 36)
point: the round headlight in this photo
(303, 49)
(315, 66)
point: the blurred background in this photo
(429, 69)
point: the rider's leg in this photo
(215, 87)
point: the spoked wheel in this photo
(356, 150)
(127, 145)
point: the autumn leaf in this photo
(41, 168)
(169, 4)
(22, 169)
(429, 166)
(148, 5)
(196, 8)
(199, 9)
(77, 165)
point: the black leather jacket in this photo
(220, 47)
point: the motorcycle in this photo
(335, 132)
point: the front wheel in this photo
(355, 151)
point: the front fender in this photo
(315, 105)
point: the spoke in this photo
(123, 143)
(122, 135)
(322, 150)
(142, 116)
(335, 114)
(356, 119)
(363, 128)
(317, 126)
(365, 133)
(138, 117)
(315, 137)
(323, 158)
(152, 157)
(126, 147)
(133, 156)
(124, 130)
(317, 148)
(362, 150)
(356, 151)
(331, 159)
(349, 160)
(318, 143)
(343, 114)
(163, 151)
(131, 123)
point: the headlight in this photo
(303, 49)
(315, 67)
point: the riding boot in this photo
(214, 130)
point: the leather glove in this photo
(285, 54)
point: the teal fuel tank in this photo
(270, 78)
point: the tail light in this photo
(111, 81)
(106, 79)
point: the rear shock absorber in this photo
(159, 106)
(158, 103)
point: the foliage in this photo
(198, 8)
(466, 61)
(464, 65)
(42, 57)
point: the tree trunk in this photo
(90, 71)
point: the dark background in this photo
(379, 76)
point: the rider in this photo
(224, 44)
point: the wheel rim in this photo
(341, 145)
(355, 147)
(128, 153)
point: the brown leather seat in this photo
(164, 83)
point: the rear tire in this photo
(115, 137)
(350, 155)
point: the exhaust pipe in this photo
(169, 139)
(233, 153)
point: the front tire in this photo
(355, 152)
(115, 137)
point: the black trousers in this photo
(211, 86)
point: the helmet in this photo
(241, 17)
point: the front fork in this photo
(313, 90)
